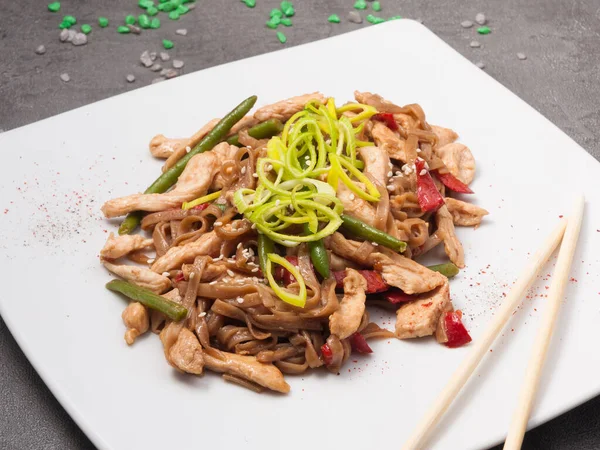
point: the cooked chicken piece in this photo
(377, 163)
(193, 182)
(459, 161)
(378, 102)
(141, 276)
(445, 135)
(446, 231)
(163, 147)
(345, 321)
(406, 121)
(208, 244)
(420, 317)
(388, 141)
(406, 274)
(465, 214)
(249, 368)
(118, 246)
(136, 319)
(285, 109)
(355, 206)
(343, 247)
(185, 353)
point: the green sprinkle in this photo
(130, 20)
(174, 15)
(288, 8)
(155, 23)
(152, 11)
(167, 44)
(144, 21)
(249, 3)
(286, 21)
(176, 3)
(70, 19)
(281, 37)
(181, 9)
(166, 7)
(484, 30)
(272, 24)
(360, 4)
(334, 18)
(275, 13)
(374, 20)
(276, 20)
(86, 29)
(145, 4)
(123, 29)
(64, 25)
(54, 7)
(394, 18)
(376, 6)
(103, 22)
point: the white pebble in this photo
(521, 56)
(178, 64)
(153, 56)
(65, 77)
(164, 56)
(181, 31)
(145, 59)
(156, 68)
(480, 19)
(40, 50)
(475, 44)
(79, 39)
(130, 78)
(134, 29)
(480, 64)
(466, 24)
(354, 17)
(64, 35)
(171, 73)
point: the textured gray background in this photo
(559, 78)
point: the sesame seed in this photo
(192, 275)
(218, 223)
(202, 314)
(390, 173)
(213, 282)
(352, 197)
(253, 226)
(390, 188)
(277, 202)
(398, 173)
(423, 172)
(230, 272)
(166, 274)
(239, 300)
(151, 260)
(255, 175)
(188, 149)
(243, 170)
(375, 244)
(239, 245)
(418, 150)
(254, 270)
(268, 167)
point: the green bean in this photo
(448, 269)
(318, 255)
(172, 310)
(263, 130)
(265, 246)
(367, 232)
(169, 178)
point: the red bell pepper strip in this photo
(453, 183)
(326, 354)
(179, 277)
(375, 282)
(396, 296)
(455, 330)
(427, 194)
(282, 274)
(388, 119)
(359, 343)
(201, 207)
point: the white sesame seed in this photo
(390, 173)
(253, 226)
(166, 274)
(151, 260)
(277, 202)
(188, 149)
(352, 196)
(243, 170)
(254, 270)
(398, 173)
(418, 150)
(230, 272)
(239, 300)
(375, 244)
(218, 224)
(255, 175)
(202, 314)
(390, 188)
(423, 172)
(192, 275)
(213, 282)
(268, 167)
(391, 165)
(239, 245)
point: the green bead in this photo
(281, 37)
(360, 4)
(376, 6)
(145, 4)
(334, 18)
(374, 20)
(155, 23)
(286, 21)
(174, 15)
(144, 21)
(181, 9)
(275, 13)
(103, 22)
(167, 44)
(123, 29)
(64, 25)
(130, 20)
(70, 19)
(166, 7)
(272, 24)
(54, 7)
(250, 3)
(176, 3)
(484, 30)
(86, 29)
(152, 11)
(287, 8)
(276, 20)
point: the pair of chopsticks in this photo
(568, 232)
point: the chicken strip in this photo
(444, 135)
(406, 274)
(420, 317)
(447, 233)
(465, 214)
(247, 367)
(185, 353)
(208, 244)
(163, 147)
(193, 182)
(119, 246)
(377, 163)
(136, 319)
(459, 160)
(345, 321)
(388, 141)
(355, 206)
(140, 276)
(285, 109)
(382, 105)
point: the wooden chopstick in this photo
(466, 368)
(518, 424)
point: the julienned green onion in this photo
(287, 296)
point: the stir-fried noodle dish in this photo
(267, 235)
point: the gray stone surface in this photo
(560, 78)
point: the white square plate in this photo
(56, 173)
